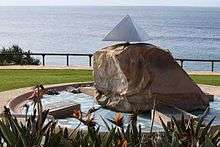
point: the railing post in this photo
(181, 63)
(43, 56)
(90, 60)
(67, 60)
(212, 66)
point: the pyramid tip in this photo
(126, 31)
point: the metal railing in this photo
(60, 54)
(43, 55)
(198, 60)
(67, 56)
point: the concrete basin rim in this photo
(56, 86)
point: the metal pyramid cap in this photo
(127, 31)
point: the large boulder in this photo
(129, 77)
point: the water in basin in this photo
(88, 102)
(214, 111)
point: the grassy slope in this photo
(12, 79)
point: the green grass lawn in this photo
(207, 79)
(12, 79)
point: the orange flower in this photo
(118, 119)
(37, 94)
(123, 142)
(77, 113)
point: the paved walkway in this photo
(214, 90)
(203, 73)
(44, 67)
(5, 96)
(88, 67)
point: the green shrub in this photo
(16, 56)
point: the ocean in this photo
(188, 32)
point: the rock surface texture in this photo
(129, 77)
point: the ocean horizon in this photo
(188, 32)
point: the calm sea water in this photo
(187, 31)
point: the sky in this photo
(202, 3)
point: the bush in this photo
(16, 56)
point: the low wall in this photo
(15, 103)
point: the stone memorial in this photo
(130, 77)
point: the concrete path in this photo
(214, 90)
(5, 96)
(88, 68)
(44, 67)
(203, 73)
